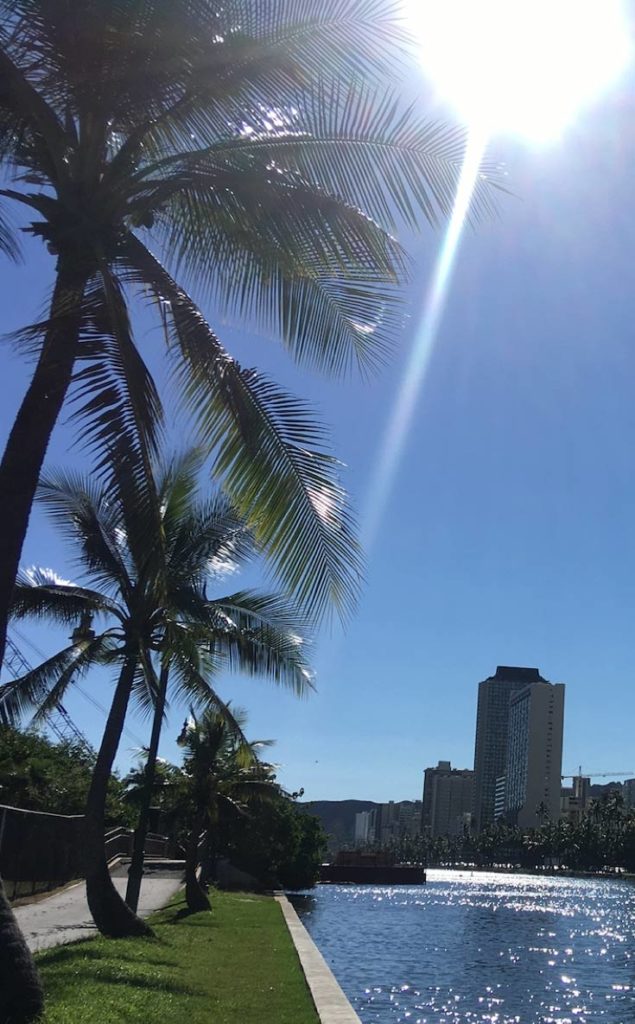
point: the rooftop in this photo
(518, 673)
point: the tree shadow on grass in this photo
(58, 981)
(192, 918)
(73, 952)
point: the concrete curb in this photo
(330, 1002)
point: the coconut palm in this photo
(21, 995)
(223, 770)
(253, 153)
(147, 591)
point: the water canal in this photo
(481, 948)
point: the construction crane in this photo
(598, 775)
(59, 720)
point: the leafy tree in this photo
(255, 150)
(165, 782)
(224, 774)
(40, 775)
(278, 844)
(603, 838)
(147, 582)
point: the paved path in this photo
(65, 917)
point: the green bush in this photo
(277, 843)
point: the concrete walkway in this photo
(65, 917)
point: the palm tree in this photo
(223, 770)
(150, 588)
(255, 151)
(21, 995)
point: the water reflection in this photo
(481, 948)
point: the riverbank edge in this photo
(331, 1004)
(534, 872)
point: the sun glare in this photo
(521, 67)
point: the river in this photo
(480, 948)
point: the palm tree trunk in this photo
(34, 423)
(195, 895)
(135, 873)
(21, 996)
(110, 913)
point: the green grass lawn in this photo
(234, 966)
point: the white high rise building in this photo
(534, 754)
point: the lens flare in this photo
(434, 305)
(521, 67)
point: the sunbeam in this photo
(435, 300)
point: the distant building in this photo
(387, 822)
(447, 800)
(492, 721)
(365, 825)
(410, 817)
(574, 799)
(628, 791)
(534, 754)
(397, 819)
(602, 790)
(499, 797)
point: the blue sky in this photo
(508, 536)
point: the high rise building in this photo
(447, 800)
(534, 754)
(499, 797)
(397, 819)
(388, 822)
(365, 825)
(574, 799)
(628, 791)
(492, 722)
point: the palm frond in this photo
(82, 510)
(215, 735)
(286, 489)
(43, 688)
(253, 609)
(362, 144)
(248, 791)
(205, 536)
(19, 97)
(9, 245)
(193, 687)
(288, 256)
(260, 650)
(38, 593)
(317, 34)
(145, 686)
(177, 482)
(209, 543)
(115, 396)
(248, 56)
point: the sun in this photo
(521, 67)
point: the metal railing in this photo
(40, 851)
(118, 842)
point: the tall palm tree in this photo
(147, 590)
(256, 152)
(21, 994)
(223, 769)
